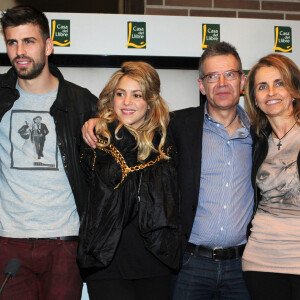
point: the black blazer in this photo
(186, 130)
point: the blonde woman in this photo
(130, 232)
(271, 260)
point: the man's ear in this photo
(49, 47)
(201, 86)
(243, 81)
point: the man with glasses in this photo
(215, 145)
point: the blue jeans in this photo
(202, 278)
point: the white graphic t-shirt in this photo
(36, 199)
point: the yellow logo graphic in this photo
(136, 35)
(210, 34)
(61, 33)
(283, 39)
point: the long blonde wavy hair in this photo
(291, 79)
(156, 118)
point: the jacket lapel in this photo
(194, 125)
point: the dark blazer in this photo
(186, 130)
(42, 132)
(128, 218)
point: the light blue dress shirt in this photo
(225, 202)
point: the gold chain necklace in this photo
(279, 143)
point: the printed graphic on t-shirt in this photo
(33, 140)
(278, 178)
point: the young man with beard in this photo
(40, 197)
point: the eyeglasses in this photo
(228, 75)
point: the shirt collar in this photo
(240, 111)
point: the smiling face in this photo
(271, 95)
(129, 105)
(27, 50)
(224, 94)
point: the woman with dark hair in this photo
(130, 232)
(271, 260)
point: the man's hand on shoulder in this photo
(88, 134)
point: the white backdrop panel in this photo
(106, 34)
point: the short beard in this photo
(35, 72)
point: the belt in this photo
(216, 253)
(72, 238)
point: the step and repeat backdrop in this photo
(89, 48)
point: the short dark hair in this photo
(216, 49)
(23, 14)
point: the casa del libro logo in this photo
(283, 39)
(61, 33)
(136, 35)
(210, 34)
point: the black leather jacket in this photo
(148, 194)
(72, 107)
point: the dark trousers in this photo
(48, 270)
(202, 278)
(155, 288)
(39, 143)
(273, 286)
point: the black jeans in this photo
(272, 286)
(125, 289)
